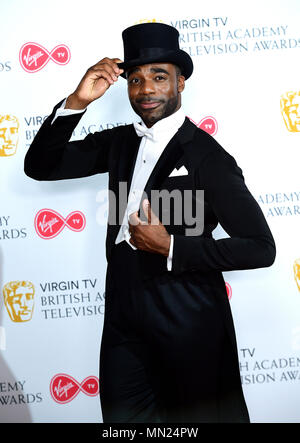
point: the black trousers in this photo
(156, 366)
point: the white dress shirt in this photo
(153, 142)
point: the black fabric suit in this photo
(168, 351)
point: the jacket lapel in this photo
(171, 156)
(166, 162)
(128, 155)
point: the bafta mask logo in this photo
(297, 272)
(9, 135)
(290, 110)
(19, 300)
(148, 20)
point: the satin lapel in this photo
(170, 156)
(130, 147)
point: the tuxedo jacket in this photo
(227, 200)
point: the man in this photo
(168, 351)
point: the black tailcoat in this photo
(198, 261)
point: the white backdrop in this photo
(246, 57)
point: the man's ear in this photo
(180, 83)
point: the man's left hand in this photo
(150, 236)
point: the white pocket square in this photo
(180, 171)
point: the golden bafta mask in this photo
(297, 272)
(9, 135)
(19, 300)
(147, 20)
(290, 110)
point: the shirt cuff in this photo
(127, 236)
(61, 111)
(130, 244)
(170, 256)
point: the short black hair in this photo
(178, 70)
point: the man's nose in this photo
(147, 87)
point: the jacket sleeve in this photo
(51, 156)
(250, 244)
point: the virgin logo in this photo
(49, 223)
(228, 290)
(64, 388)
(207, 124)
(33, 57)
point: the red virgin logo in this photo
(64, 388)
(33, 57)
(49, 223)
(228, 290)
(207, 124)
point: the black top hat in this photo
(154, 42)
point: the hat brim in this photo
(178, 57)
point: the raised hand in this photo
(95, 83)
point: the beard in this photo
(149, 116)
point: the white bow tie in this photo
(142, 131)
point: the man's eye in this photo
(159, 77)
(134, 80)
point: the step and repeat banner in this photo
(245, 92)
